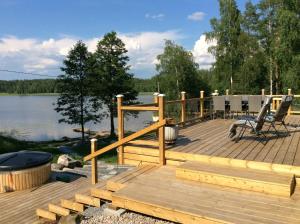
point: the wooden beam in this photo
(183, 106)
(58, 210)
(161, 130)
(120, 128)
(127, 139)
(75, 206)
(94, 162)
(144, 142)
(101, 193)
(241, 178)
(88, 200)
(46, 214)
(201, 103)
(139, 108)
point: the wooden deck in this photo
(19, 207)
(210, 138)
(161, 194)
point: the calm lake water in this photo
(34, 118)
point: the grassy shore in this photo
(29, 94)
(9, 144)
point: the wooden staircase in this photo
(243, 178)
(224, 176)
(93, 198)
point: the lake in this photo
(34, 118)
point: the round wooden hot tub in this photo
(23, 170)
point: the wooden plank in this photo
(144, 142)
(118, 183)
(101, 193)
(139, 108)
(253, 180)
(137, 162)
(141, 150)
(143, 158)
(163, 213)
(88, 200)
(75, 206)
(58, 210)
(46, 214)
(226, 204)
(126, 139)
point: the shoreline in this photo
(53, 94)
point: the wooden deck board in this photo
(192, 202)
(210, 138)
(24, 203)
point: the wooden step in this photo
(242, 178)
(144, 142)
(58, 210)
(88, 200)
(101, 193)
(46, 214)
(75, 206)
(141, 150)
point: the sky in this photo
(35, 35)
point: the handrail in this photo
(139, 108)
(126, 139)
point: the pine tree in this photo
(111, 75)
(74, 103)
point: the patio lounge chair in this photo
(280, 114)
(250, 122)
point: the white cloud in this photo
(159, 16)
(196, 16)
(46, 56)
(201, 54)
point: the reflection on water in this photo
(34, 118)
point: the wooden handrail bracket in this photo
(126, 139)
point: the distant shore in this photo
(51, 94)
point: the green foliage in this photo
(256, 46)
(74, 103)
(28, 86)
(178, 72)
(111, 75)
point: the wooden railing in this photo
(157, 106)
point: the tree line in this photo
(257, 48)
(35, 86)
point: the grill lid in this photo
(23, 160)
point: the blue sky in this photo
(36, 35)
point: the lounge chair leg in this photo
(277, 133)
(284, 125)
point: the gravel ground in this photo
(96, 216)
(126, 218)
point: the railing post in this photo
(161, 131)
(201, 103)
(183, 105)
(262, 92)
(94, 161)
(227, 92)
(155, 97)
(289, 93)
(120, 128)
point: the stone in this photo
(112, 212)
(70, 219)
(56, 166)
(68, 161)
